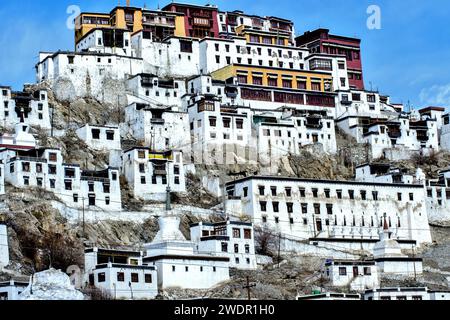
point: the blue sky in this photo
(408, 58)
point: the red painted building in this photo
(321, 41)
(200, 21)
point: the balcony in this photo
(30, 159)
(157, 121)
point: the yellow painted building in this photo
(129, 18)
(257, 36)
(85, 22)
(276, 77)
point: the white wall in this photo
(4, 248)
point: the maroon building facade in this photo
(321, 41)
(200, 21)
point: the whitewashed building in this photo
(2, 178)
(159, 92)
(445, 132)
(101, 138)
(383, 173)
(177, 263)
(44, 168)
(217, 53)
(21, 139)
(395, 137)
(106, 40)
(331, 296)
(357, 275)
(160, 128)
(4, 247)
(171, 57)
(438, 197)
(397, 293)
(120, 273)
(10, 290)
(344, 212)
(232, 239)
(150, 173)
(80, 74)
(24, 107)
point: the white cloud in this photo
(437, 95)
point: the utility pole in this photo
(52, 123)
(84, 227)
(414, 263)
(279, 249)
(248, 287)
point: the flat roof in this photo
(321, 181)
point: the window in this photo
(367, 271)
(120, 277)
(363, 195)
(315, 193)
(109, 135)
(53, 157)
(148, 278)
(186, 46)
(212, 121)
(316, 86)
(173, 268)
(327, 193)
(52, 183)
(95, 134)
(371, 98)
(290, 207)
(263, 206)
(339, 194)
(417, 298)
(236, 233)
(276, 206)
(236, 248)
(26, 181)
(399, 196)
(341, 65)
(141, 154)
(261, 190)
(277, 220)
(287, 83)
(68, 184)
(245, 190)
(186, 269)
(143, 180)
(288, 192)
(106, 188)
(329, 209)
(302, 192)
(257, 81)
(247, 233)
(316, 208)
(375, 195)
(134, 277)
(274, 191)
(411, 197)
(239, 123)
(351, 194)
(342, 271)
(226, 122)
(224, 247)
(304, 208)
(51, 169)
(25, 166)
(101, 277)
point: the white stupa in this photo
(387, 247)
(169, 240)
